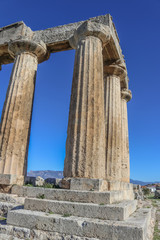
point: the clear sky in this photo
(138, 26)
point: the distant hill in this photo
(140, 182)
(59, 174)
(46, 174)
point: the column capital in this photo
(89, 28)
(116, 68)
(126, 94)
(28, 46)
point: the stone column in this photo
(17, 111)
(126, 96)
(85, 146)
(113, 75)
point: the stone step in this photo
(5, 237)
(15, 232)
(9, 237)
(5, 207)
(134, 228)
(119, 211)
(13, 198)
(74, 195)
(9, 232)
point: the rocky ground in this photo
(151, 202)
(156, 205)
(21, 233)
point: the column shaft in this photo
(113, 127)
(85, 146)
(126, 95)
(16, 117)
(125, 143)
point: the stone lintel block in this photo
(96, 197)
(56, 38)
(117, 212)
(53, 35)
(9, 179)
(134, 228)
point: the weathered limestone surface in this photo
(134, 228)
(113, 73)
(125, 168)
(107, 197)
(17, 111)
(95, 184)
(65, 220)
(117, 212)
(88, 184)
(57, 38)
(18, 233)
(85, 146)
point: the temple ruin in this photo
(97, 141)
(96, 167)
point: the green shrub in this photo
(146, 191)
(66, 215)
(48, 185)
(41, 196)
(28, 185)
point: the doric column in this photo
(17, 111)
(126, 96)
(85, 146)
(113, 75)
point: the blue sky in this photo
(137, 23)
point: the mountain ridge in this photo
(59, 174)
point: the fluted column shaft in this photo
(113, 127)
(114, 75)
(85, 146)
(17, 115)
(125, 171)
(17, 111)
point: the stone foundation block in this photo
(5, 207)
(11, 198)
(120, 211)
(73, 195)
(134, 228)
(9, 179)
(88, 184)
(95, 184)
(8, 232)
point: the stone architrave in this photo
(114, 73)
(126, 96)
(85, 146)
(17, 111)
